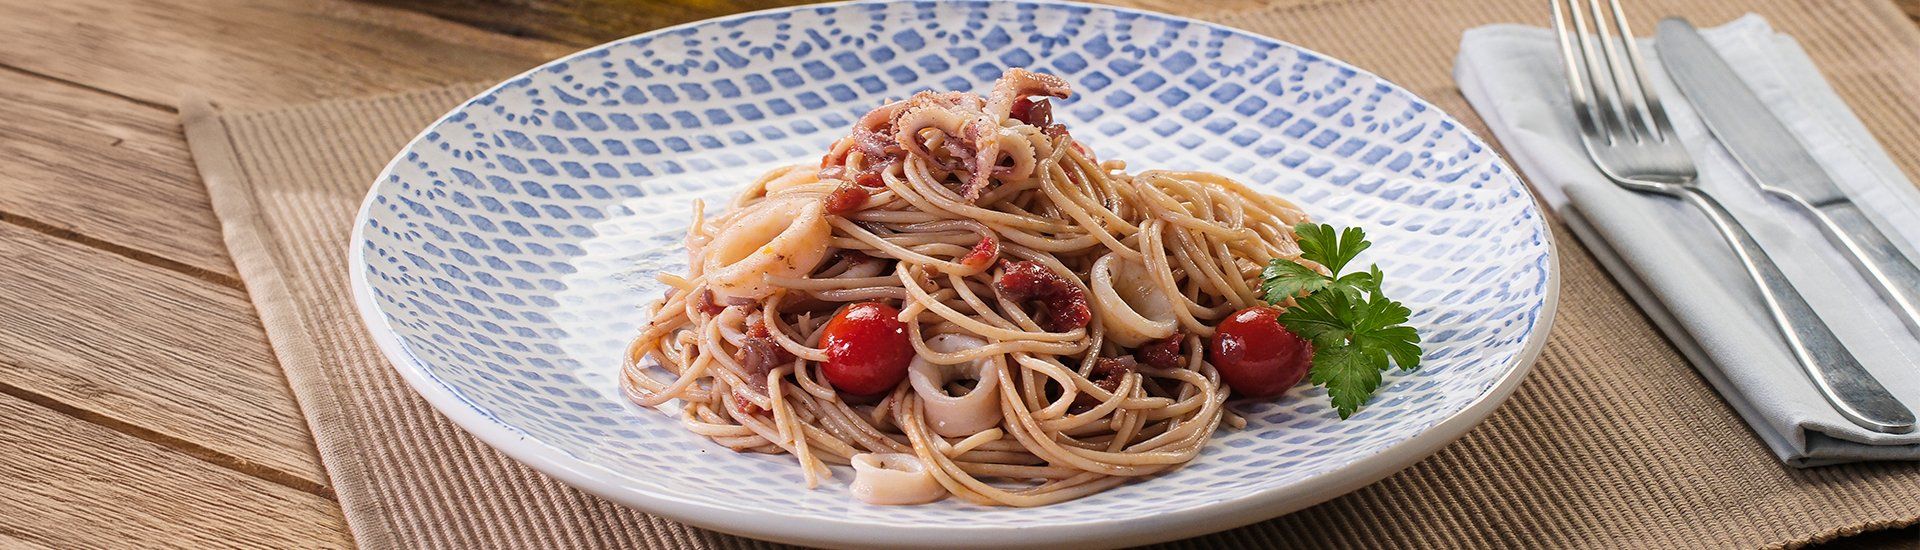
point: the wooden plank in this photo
(582, 22)
(105, 170)
(152, 352)
(1191, 8)
(66, 483)
(588, 22)
(8, 540)
(252, 53)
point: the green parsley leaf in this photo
(1356, 285)
(1349, 372)
(1285, 279)
(1381, 324)
(1319, 318)
(1356, 331)
(1322, 244)
(1377, 313)
(1400, 342)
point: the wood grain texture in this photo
(83, 163)
(250, 53)
(154, 353)
(588, 22)
(582, 22)
(66, 483)
(8, 540)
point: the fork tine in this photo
(1606, 116)
(1655, 112)
(1616, 83)
(1576, 86)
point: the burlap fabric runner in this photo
(1613, 440)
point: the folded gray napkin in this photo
(1668, 256)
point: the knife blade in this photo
(1781, 165)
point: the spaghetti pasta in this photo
(1056, 306)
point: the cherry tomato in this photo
(1257, 356)
(1038, 114)
(867, 349)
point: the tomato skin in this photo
(867, 349)
(1256, 356)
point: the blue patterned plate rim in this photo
(827, 531)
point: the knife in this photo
(1778, 162)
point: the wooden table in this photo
(142, 405)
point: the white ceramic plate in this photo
(502, 260)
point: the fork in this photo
(1627, 134)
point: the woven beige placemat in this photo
(1612, 442)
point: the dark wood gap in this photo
(149, 258)
(579, 22)
(183, 446)
(51, 230)
(83, 86)
(11, 535)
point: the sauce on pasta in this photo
(1053, 307)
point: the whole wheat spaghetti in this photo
(1055, 306)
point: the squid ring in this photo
(778, 237)
(1132, 309)
(892, 479)
(957, 415)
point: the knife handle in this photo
(1890, 272)
(1852, 391)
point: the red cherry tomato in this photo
(867, 349)
(1257, 356)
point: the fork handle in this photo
(1892, 274)
(1853, 391)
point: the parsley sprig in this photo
(1355, 329)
